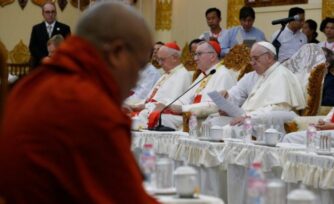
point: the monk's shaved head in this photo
(107, 21)
(122, 37)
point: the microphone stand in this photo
(163, 128)
(275, 42)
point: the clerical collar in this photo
(270, 70)
(211, 68)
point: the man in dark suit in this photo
(43, 31)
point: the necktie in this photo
(49, 29)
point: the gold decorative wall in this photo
(327, 8)
(233, 8)
(163, 14)
(5, 2)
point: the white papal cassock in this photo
(273, 95)
(197, 100)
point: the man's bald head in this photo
(108, 21)
(122, 37)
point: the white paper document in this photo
(224, 105)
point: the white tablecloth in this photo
(204, 157)
(162, 141)
(311, 169)
(197, 152)
(212, 159)
(315, 171)
(245, 154)
(237, 157)
(202, 199)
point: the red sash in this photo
(153, 118)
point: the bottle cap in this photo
(148, 145)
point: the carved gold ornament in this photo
(20, 53)
(163, 14)
(41, 2)
(5, 2)
(233, 8)
(82, 4)
(327, 8)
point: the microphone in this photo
(285, 20)
(162, 128)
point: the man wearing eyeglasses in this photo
(42, 32)
(270, 87)
(197, 100)
(170, 85)
(70, 140)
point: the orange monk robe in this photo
(65, 138)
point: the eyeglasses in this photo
(50, 12)
(163, 59)
(198, 54)
(256, 58)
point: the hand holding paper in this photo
(225, 105)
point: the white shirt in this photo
(290, 43)
(206, 35)
(327, 45)
(52, 26)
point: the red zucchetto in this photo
(215, 46)
(172, 45)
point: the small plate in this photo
(324, 153)
(263, 144)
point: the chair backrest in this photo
(244, 70)
(304, 60)
(314, 90)
(187, 60)
(238, 57)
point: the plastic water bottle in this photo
(247, 130)
(147, 163)
(311, 133)
(256, 185)
(193, 126)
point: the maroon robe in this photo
(65, 138)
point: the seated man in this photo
(52, 44)
(246, 31)
(327, 123)
(171, 84)
(270, 88)
(207, 59)
(147, 78)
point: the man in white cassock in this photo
(170, 85)
(267, 95)
(197, 100)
